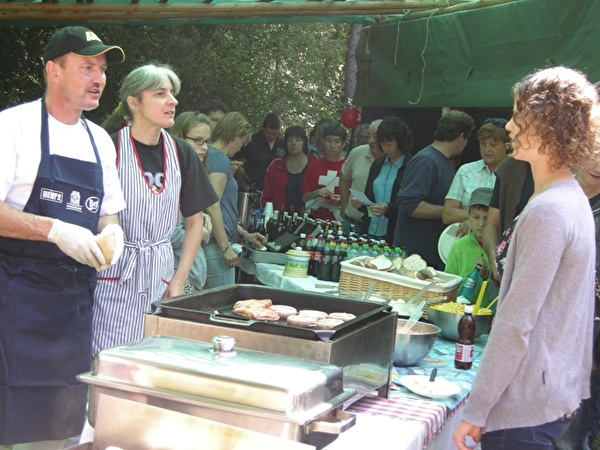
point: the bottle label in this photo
(464, 353)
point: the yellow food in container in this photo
(459, 308)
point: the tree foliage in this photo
(296, 70)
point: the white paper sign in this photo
(361, 197)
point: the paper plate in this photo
(447, 238)
(439, 388)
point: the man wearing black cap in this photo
(58, 189)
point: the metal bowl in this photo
(410, 348)
(448, 322)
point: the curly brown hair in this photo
(562, 107)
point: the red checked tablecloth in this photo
(430, 414)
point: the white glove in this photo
(77, 242)
(117, 233)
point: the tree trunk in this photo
(350, 84)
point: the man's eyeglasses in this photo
(199, 141)
(500, 123)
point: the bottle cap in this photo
(468, 309)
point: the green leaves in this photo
(296, 70)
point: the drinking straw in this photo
(480, 297)
(492, 302)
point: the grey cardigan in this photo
(537, 363)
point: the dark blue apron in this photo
(46, 306)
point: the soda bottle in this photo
(387, 252)
(463, 358)
(336, 259)
(319, 250)
(261, 227)
(253, 223)
(272, 226)
(310, 248)
(353, 251)
(324, 271)
(302, 241)
(469, 283)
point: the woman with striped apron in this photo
(153, 168)
(141, 276)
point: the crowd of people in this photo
(97, 226)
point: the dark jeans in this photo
(538, 437)
(576, 435)
(594, 409)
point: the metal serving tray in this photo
(278, 395)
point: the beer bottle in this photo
(463, 358)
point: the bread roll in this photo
(106, 242)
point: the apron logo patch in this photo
(51, 196)
(92, 204)
(74, 203)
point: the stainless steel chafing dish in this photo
(282, 396)
(362, 347)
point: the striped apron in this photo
(126, 290)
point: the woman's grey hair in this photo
(149, 76)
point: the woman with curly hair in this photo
(536, 366)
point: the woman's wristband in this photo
(244, 234)
(226, 248)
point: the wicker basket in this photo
(393, 286)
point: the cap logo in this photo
(91, 36)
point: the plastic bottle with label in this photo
(468, 286)
(463, 357)
(353, 251)
(319, 249)
(336, 259)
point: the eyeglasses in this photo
(200, 141)
(500, 123)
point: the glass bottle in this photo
(463, 357)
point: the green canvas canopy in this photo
(472, 58)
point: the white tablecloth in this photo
(272, 275)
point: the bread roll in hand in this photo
(106, 242)
(111, 242)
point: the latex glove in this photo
(77, 242)
(117, 232)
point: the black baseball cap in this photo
(82, 42)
